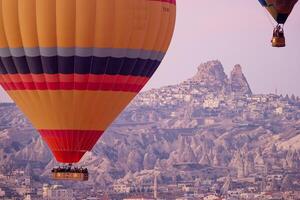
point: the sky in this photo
(234, 32)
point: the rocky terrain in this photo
(210, 122)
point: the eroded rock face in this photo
(135, 161)
(238, 82)
(293, 159)
(211, 74)
(35, 151)
(149, 161)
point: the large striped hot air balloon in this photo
(280, 11)
(73, 65)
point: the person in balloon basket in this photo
(278, 31)
(69, 170)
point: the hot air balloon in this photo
(73, 65)
(280, 11)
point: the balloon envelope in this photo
(279, 9)
(73, 65)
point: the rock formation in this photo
(238, 82)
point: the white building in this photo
(2, 193)
(279, 110)
(121, 188)
(211, 103)
(212, 197)
(247, 196)
(209, 121)
(45, 190)
(234, 193)
(27, 197)
(276, 177)
(57, 192)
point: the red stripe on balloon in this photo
(73, 86)
(73, 82)
(68, 146)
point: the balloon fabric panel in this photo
(73, 66)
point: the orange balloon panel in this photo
(73, 65)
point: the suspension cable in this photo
(269, 17)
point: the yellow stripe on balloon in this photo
(71, 110)
(130, 24)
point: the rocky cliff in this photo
(238, 82)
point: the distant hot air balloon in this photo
(73, 65)
(280, 11)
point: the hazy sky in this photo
(233, 31)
